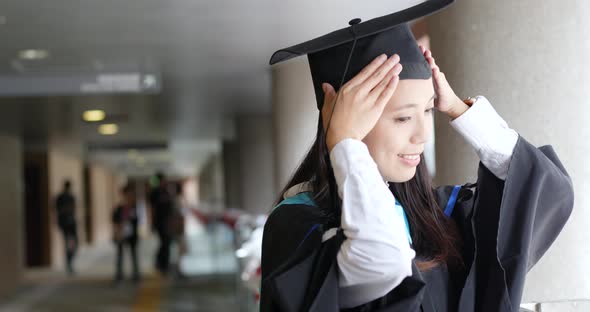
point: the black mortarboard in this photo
(330, 57)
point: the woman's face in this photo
(397, 140)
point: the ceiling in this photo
(212, 57)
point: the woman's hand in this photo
(446, 100)
(361, 100)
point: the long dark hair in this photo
(435, 237)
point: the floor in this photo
(210, 284)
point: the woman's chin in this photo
(401, 176)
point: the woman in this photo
(388, 240)
(125, 229)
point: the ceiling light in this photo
(33, 54)
(108, 129)
(93, 115)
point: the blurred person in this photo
(161, 203)
(125, 232)
(176, 224)
(65, 205)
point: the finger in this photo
(440, 81)
(329, 94)
(432, 60)
(434, 67)
(432, 63)
(429, 58)
(376, 92)
(395, 71)
(329, 91)
(422, 49)
(379, 74)
(329, 102)
(386, 95)
(367, 71)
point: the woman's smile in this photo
(410, 159)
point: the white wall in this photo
(11, 214)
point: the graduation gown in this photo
(506, 227)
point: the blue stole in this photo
(399, 209)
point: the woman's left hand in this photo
(446, 100)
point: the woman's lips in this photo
(411, 160)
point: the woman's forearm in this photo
(489, 134)
(376, 255)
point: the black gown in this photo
(506, 227)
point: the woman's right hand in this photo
(361, 101)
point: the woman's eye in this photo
(430, 110)
(402, 119)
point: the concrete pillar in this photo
(231, 173)
(295, 116)
(211, 186)
(11, 214)
(104, 189)
(530, 59)
(64, 161)
(256, 166)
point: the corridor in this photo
(182, 125)
(211, 286)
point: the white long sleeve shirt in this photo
(376, 256)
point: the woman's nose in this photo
(421, 130)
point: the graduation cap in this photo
(337, 57)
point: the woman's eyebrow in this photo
(412, 104)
